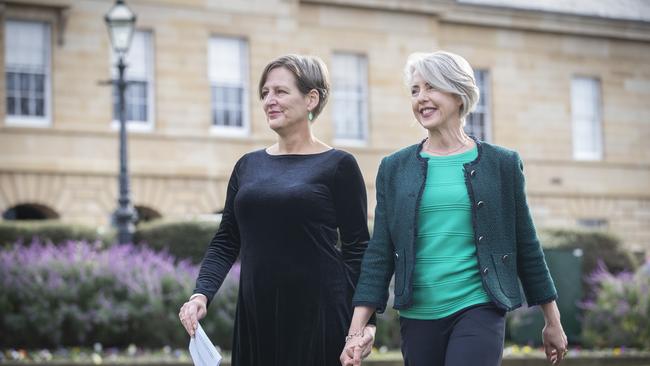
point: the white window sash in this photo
(32, 64)
(228, 67)
(586, 119)
(350, 93)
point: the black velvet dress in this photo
(281, 218)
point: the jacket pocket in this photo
(506, 268)
(400, 271)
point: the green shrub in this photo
(46, 230)
(388, 329)
(619, 315)
(77, 294)
(182, 239)
(595, 246)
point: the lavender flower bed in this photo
(619, 314)
(79, 294)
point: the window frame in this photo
(32, 121)
(596, 124)
(365, 103)
(244, 55)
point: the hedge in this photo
(47, 230)
(182, 239)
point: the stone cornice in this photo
(509, 18)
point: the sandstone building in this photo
(569, 88)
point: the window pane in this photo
(228, 104)
(40, 107)
(11, 106)
(228, 73)
(11, 81)
(24, 107)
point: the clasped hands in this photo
(358, 346)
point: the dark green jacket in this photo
(504, 234)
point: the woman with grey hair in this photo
(452, 224)
(285, 208)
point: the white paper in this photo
(202, 350)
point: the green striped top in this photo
(446, 277)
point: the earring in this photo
(310, 116)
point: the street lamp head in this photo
(120, 21)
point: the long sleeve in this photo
(351, 206)
(532, 270)
(224, 247)
(378, 266)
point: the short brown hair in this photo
(310, 72)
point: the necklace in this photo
(444, 153)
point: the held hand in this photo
(555, 343)
(191, 312)
(358, 347)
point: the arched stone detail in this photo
(147, 213)
(30, 211)
(30, 188)
(179, 196)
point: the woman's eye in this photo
(414, 92)
(264, 94)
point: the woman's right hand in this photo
(192, 311)
(359, 347)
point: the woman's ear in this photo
(313, 97)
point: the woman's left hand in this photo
(555, 343)
(358, 348)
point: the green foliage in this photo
(388, 329)
(46, 230)
(619, 315)
(182, 239)
(77, 294)
(595, 245)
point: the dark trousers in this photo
(470, 337)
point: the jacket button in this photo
(480, 238)
(480, 204)
(396, 255)
(505, 258)
(485, 271)
(472, 173)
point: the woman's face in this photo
(284, 105)
(433, 108)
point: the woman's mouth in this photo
(274, 114)
(427, 112)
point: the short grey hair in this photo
(447, 72)
(310, 72)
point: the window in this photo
(139, 75)
(228, 73)
(593, 223)
(478, 123)
(585, 114)
(350, 84)
(27, 73)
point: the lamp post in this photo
(120, 21)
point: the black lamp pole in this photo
(120, 21)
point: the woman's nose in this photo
(269, 99)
